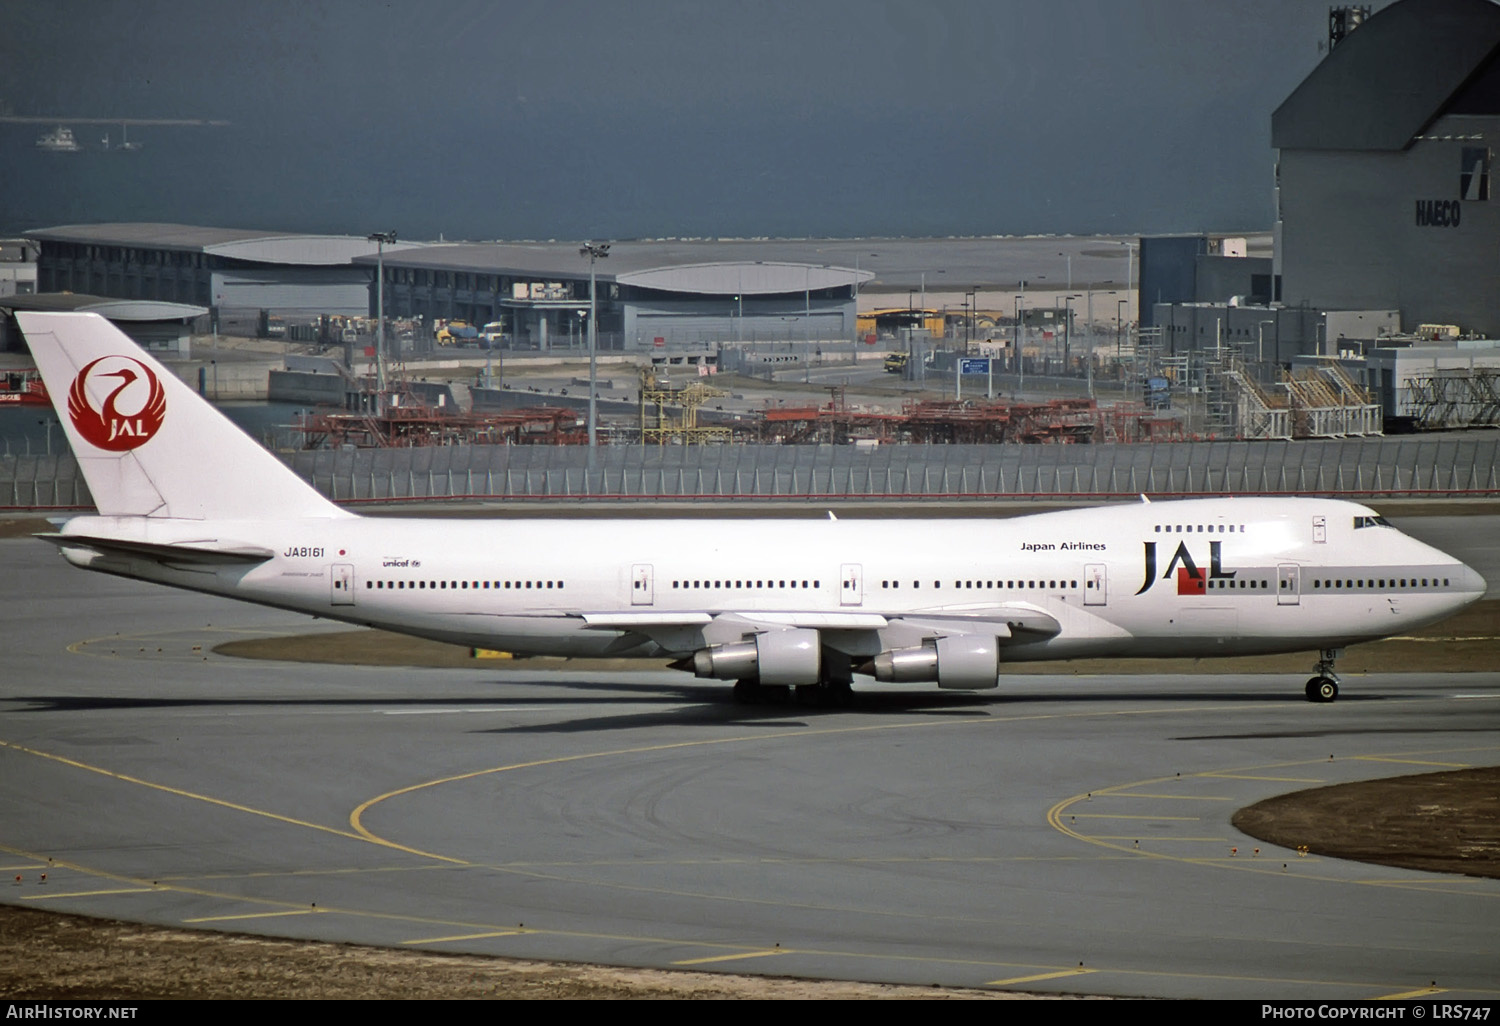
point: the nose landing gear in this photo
(1324, 687)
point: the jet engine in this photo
(967, 662)
(791, 657)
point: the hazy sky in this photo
(583, 118)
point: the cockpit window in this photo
(1370, 522)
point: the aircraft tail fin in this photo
(149, 445)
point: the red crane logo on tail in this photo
(132, 410)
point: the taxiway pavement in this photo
(1066, 833)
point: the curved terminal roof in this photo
(632, 264)
(113, 309)
(259, 247)
(1391, 77)
(741, 278)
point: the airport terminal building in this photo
(225, 269)
(648, 294)
(540, 293)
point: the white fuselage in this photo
(1194, 577)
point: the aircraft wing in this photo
(768, 621)
(1002, 619)
(856, 633)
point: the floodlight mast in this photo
(594, 251)
(381, 240)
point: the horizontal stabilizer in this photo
(208, 551)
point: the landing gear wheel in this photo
(1322, 689)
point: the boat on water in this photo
(59, 140)
(124, 145)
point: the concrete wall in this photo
(305, 387)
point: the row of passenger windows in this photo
(462, 585)
(1240, 582)
(1197, 529)
(1011, 585)
(747, 584)
(1383, 582)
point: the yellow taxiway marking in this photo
(1413, 762)
(256, 915)
(1131, 815)
(1039, 977)
(1407, 995)
(1274, 780)
(1059, 818)
(1463, 637)
(1155, 840)
(730, 958)
(88, 894)
(1172, 797)
(467, 937)
(180, 793)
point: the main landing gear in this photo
(1325, 686)
(828, 694)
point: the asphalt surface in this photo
(1066, 834)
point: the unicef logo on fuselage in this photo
(117, 403)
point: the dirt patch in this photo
(24, 528)
(1443, 822)
(50, 956)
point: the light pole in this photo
(1067, 334)
(381, 240)
(1260, 349)
(973, 298)
(594, 251)
(1119, 324)
(1020, 357)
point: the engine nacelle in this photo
(791, 657)
(965, 662)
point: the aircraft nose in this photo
(1470, 580)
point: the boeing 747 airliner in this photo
(186, 499)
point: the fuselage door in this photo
(341, 584)
(1320, 529)
(851, 585)
(1288, 585)
(1095, 589)
(641, 593)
